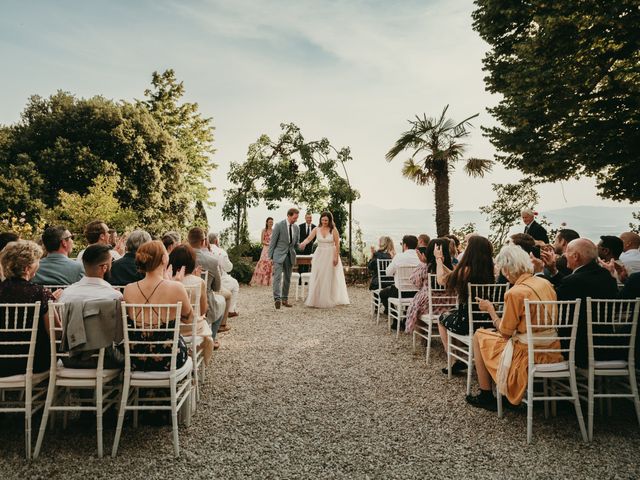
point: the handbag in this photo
(455, 320)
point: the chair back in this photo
(552, 327)
(403, 279)
(384, 279)
(205, 276)
(149, 327)
(18, 332)
(56, 339)
(612, 325)
(494, 292)
(194, 293)
(439, 300)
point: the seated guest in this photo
(630, 257)
(117, 242)
(454, 248)
(92, 287)
(6, 237)
(183, 263)
(171, 240)
(420, 278)
(490, 346)
(556, 260)
(475, 267)
(609, 250)
(20, 262)
(587, 280)
(630, 291)
(407, 257)
(225, 265)
(124, 270)
(423, 240)
(527, 243)
(154, 288)
(385, 252)
(97, 232)
(198, 240)
(57, 268)
(532, 227)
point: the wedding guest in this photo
(97, 232)
(154, 288)
(475, 267)
(423, 240)
(20, 262)
(609, 250)
(171, 240)
(385, 251)
(454, 248)
(532, 227)
(183, 263)
(420, 278)
(198, 240)
(407, 257)
(124, 270)
(57, 268)
(225, 266)
(489, 345)
(555, 260)
(630, 257)
(117, 242)
(5, 238)
(264, 267)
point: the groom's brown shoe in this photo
(278, 304)
(287, 304)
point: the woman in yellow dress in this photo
(490, 345)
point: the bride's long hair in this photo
(329, 217)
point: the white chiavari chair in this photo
(63, 380)
(383, 281)
(153, 326)
(397, 309)
(18, 333)
(194, 341)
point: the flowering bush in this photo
(13, 222)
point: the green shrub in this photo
(242, 270)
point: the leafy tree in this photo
(568, 75)
(289, 168)
(75, 211)
(504, 211)
(436, 145)
(635, 227)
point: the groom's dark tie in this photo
(290, 235)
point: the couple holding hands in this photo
(327, 286)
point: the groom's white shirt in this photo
(408, 258)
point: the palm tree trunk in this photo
(442, 200)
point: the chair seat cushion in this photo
(22, 377)
(600, 364)
(65, 372)
(552, 367)
(180, 373)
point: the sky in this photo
(352, 71)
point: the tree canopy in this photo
(568, 74)
(158, 148)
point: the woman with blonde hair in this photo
(385, 251)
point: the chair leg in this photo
(470, 368)
(530, 410)
(429, 335)
(576, 402)
(27, 430)
(99, 399)
(414, 341)
(590, 405)
(51, 391)
(449, 373)
(121, 412)
(174, 421)
(499, 401)
(634, 390)
(545, 392)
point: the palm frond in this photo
(477, 167)
(417, 173)
(407, 140)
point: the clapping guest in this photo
(630, 257)
(490, 346)
(420, 278)
(124, 270)
(385, 251)
(171, 240)
(20, 261)
(555, 259)
(454, 248)
(475, 267)
(225, 265)
(57, 268)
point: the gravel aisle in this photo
(304, 393)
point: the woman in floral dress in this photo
(262, 273)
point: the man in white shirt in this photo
(408, 257)
(630, 257)
(225, 266)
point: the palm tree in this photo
(436, 148)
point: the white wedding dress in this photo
(327, 287)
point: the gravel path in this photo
(304, 393)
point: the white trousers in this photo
(233, 286)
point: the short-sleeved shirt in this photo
(18, 290)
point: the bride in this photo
(327, 287)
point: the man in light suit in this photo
(282, 251)
(305, 230)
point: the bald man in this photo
(587, 280)
(630, 256)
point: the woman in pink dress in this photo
(262, 273)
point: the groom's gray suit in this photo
(282, 250)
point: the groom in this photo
(282, 250)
